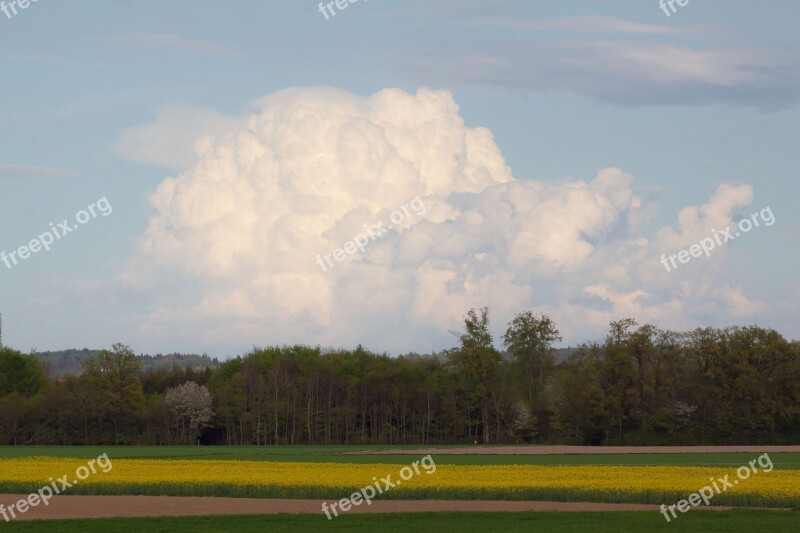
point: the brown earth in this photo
(567, 450)
(61, 507)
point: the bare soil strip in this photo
(62, 507)
(578, 450)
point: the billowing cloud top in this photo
(233, 251)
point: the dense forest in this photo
(641, 385)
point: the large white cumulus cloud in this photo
(230, 254)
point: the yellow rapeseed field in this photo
(779, 486)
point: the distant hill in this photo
(60, 363)
(562, 354)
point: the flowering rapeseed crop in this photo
(645, 484)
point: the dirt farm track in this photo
(62, 507)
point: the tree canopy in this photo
(641, 385)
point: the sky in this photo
(198, 176)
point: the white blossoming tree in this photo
(192, 406)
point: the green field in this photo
(336, 454)
(611, 522)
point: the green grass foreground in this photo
(338, 454)
(611, 522)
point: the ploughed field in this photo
(452, 476)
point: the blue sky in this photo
(104, 99)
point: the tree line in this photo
(641, 385)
